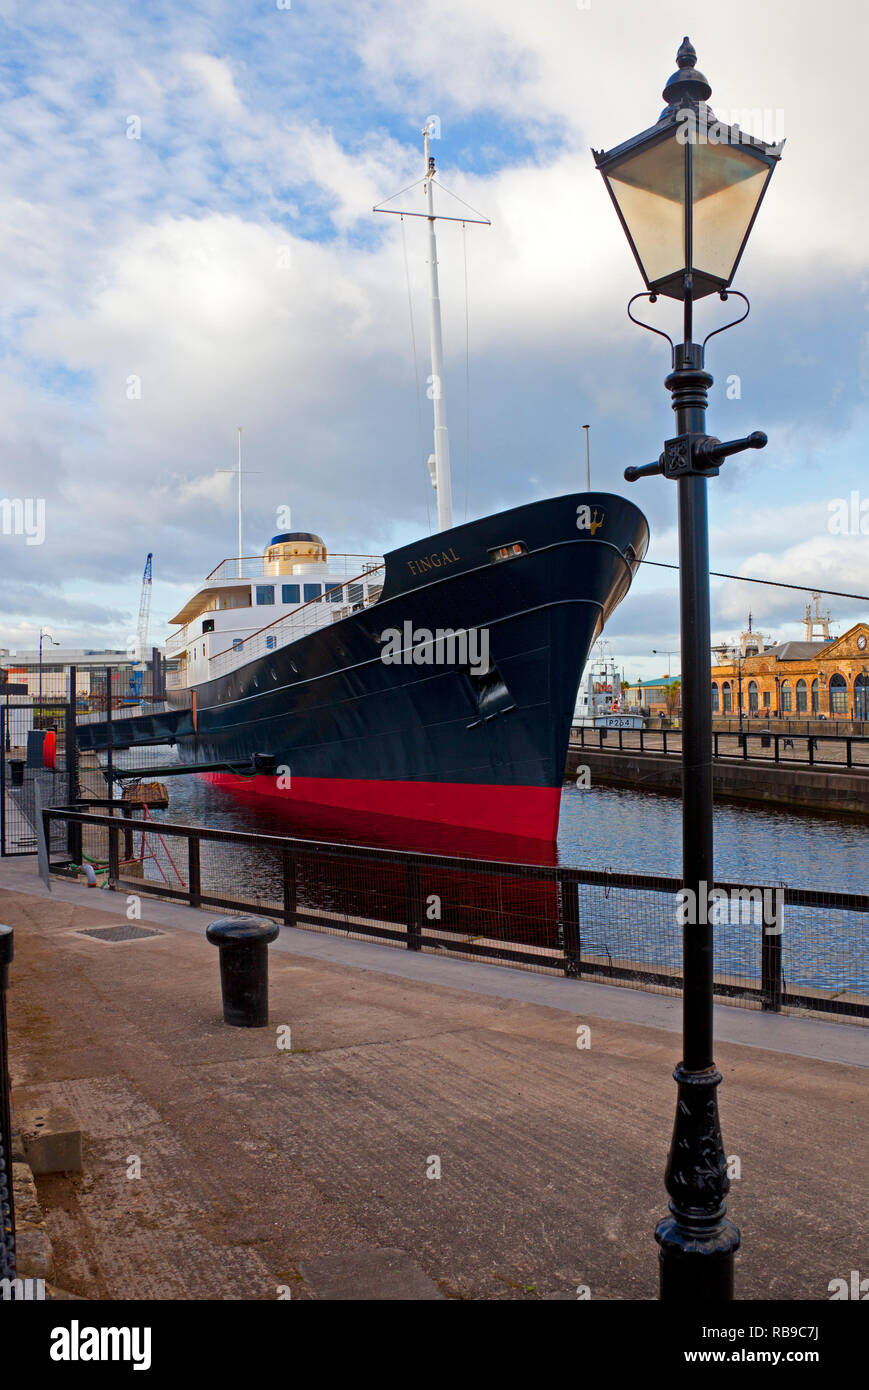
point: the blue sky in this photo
(229, 260)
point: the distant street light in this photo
(657, 652)
(687, 192)
(42, 635)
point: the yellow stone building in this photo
(795, 680)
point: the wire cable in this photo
(774, 583)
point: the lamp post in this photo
(687, 192)
(42, 635)
(659, 652)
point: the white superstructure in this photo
(247, 607)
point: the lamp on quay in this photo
(687, 192)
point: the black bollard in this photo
(244, 968)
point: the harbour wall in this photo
(806, 788)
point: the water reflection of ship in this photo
(454, 896)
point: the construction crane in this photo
(137, 674)
(144, 612)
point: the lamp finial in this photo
(687, 55)
(687, 86)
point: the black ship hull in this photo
(427, 735)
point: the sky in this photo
(190, 246)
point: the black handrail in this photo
(780, 741)
(406, 923)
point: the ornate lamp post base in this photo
(697, 1241)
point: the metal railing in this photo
(308, 617)
(815, 750)
(809, 951)
(179, 641)
(257, 566)
(791, 724)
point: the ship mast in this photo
(441, 434)
(240, 551)
(439, 461)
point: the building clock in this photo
(861, 641)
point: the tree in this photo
(673, 698)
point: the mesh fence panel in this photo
(773, 947)
(825, 951)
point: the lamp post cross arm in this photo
(698, 454)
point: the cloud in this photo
(229, 260)
(215, 80)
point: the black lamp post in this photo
(687, 192)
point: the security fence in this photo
(30, 733)
(776, 948)
(41, 763)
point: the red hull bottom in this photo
(353, 807)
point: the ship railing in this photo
(309, 617)
(178, 642)
(226, 603)
(258, 567)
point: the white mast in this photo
(587, 460)
(439, 461)
(239, 504)
(441, 436)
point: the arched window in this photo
(861, 696)
(787, 697)
(816, 701)
(727, 698)
(802, 697)
(838, 694)
(752, 696)
(714, 698)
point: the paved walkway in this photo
(306, 1171)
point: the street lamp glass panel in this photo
(728, 184)
(649, 190)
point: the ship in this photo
(436, 684)
(430, 689)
